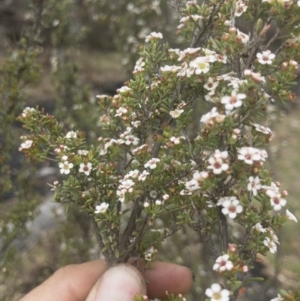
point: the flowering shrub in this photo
(148, 165)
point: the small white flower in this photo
(126, 184)
(168, 68)
(165, 197)
(158, 202)
(153, 36)
(71, 135)
(234, 101)
(266, 57)
(243, 37)
(200, 64)
(27, 111)
(216, 293)
(253, 185)
(216, 162)
(82, 152)
(210, 116)
(85, 168)
(176, 113)
(258, 227)
(123, 89)
(249, 154)
(192, 185)
(211, 85)
(121, 194)
(276, 201)
(151, 163)
(102, 208)
(132, 174)
(270, 244)
(291, 216)
(65, 167)
(262, 129)
(279, 298)
(120, 111)
(231, 207)
(240, 8)
(26, 145)
(131, 140)
(143, 175)
(223, 264)
(64, 158)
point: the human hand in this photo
(94, 281)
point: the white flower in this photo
(216, 162)
(126, 184)
(211, 85)
(132, 174)
(262, 129)
(253, 185)
(270, 244)
(192, 185)
(233, 101)
(65, 167)
(82, 152)
(176, 113)
(153, 36)
(120, 111)
(146, 204)
(158, 202)
(143, 175)
(151, 163)
(240, 8)
(266, 57)
(123, 89)
(165, 197)
(71, 135)
(131, 139)
(27, 111)
(291, 216)
(276, 201)
(243, 37)
(298, 3)
(26, 145)
(121, 195)
(168, 68)
(101, 208)
(258, 227)
(249, 154)
(279, 298)
(231, 207)
(210, 116)
(85, 168)
(200, 64)
(223, 263)
(215, 293)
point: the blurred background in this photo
(58, 55)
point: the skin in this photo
(82, 281)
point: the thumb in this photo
(119, 283)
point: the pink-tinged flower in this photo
(216, 162)
(143, 175)
(65, 167)
(249, 154)
(85, 168)
(234, 101)
(262, 129)
(270, 244)
(216, 293)
(152, 163)
(223, 264)
(253, 185)
(200, 65)
(176, 113)
(266, 57)
(26, 145)
(231, 206)
(102, 208)
(71, 135)
(153, 36)
(291, 216)
(120, 111)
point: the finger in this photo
(169, 277)
(70, 283)
(120, 283)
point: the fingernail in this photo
(120, 283)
